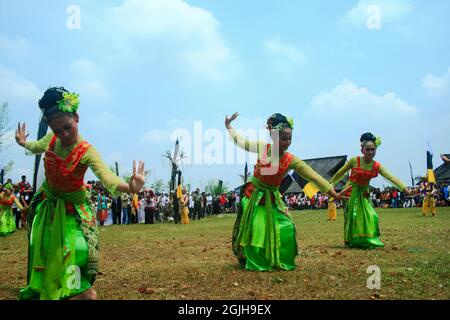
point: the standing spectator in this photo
(16, 212)
(25, 186)
(237, 201)
(164, 202)
(395, 198)
(222, 203)
(116, 208)
(102, 208)
(197, 205)
(184, 210)
(141, 210)
(125, 201)
(209, 202)
(26, 193)
(150, 207)
(175, 204)
(204, 213)
(191, 205)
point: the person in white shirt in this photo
(209, 201)
(191, 205)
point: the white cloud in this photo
(17, 90)
(348, 100)
(88, 79)
(15, 47)
(284, 55)
(435, 85)
(173, 34)
(390, 12)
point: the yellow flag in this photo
(179, 191)
(430, 176)
(310, 190)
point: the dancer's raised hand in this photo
(21, 134)
(137, 180)
(228, 120)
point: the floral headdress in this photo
(376, 141)
(69, 102)
(279, 126)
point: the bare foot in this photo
(89, 294)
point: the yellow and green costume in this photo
(429, 201)
(360, 219)
(63, 238)
(7, 219)
(264, 235)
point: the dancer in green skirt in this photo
(264, 236)
(7, 217)
(63, 239)
(360, 218)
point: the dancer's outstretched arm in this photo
(308, 173)
(244, 143)
(396, 182)
(113, 183)
(342, 171)
(35, 147)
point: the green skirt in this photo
(254, 255)
(63, 246)
(7, 221)
(361, 221)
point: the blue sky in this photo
(144, 68)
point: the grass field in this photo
(166, 261)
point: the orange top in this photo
(65, 175)
(361, 176)
(274, 179)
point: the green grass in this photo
(166, 261)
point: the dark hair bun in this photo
(51, 97)
(368, 137)
(277, 119)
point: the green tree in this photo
(212, 187)
(158, 185)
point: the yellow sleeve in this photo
(18, 204)
(342, 171)
(108, 179)
(395, 181)
(244, 143)
(310, 175)
(40, 146)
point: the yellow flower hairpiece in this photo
(378, 142)
(69, 102)
(291, 122)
